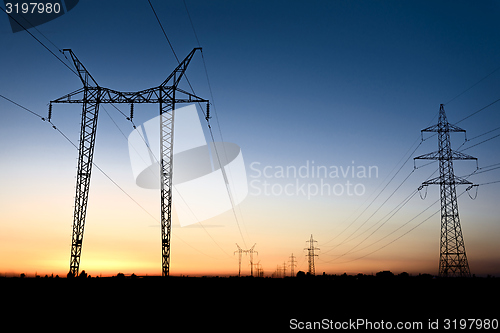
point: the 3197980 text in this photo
(32, 8)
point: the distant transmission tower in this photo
(452, 259)
(258, 268)
(240, 252)
(311, 255)
(252, 251)
(292, 265)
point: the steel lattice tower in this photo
(167, 95)
(240, 252)
(452, 259)
(292, 265)
(311, 255)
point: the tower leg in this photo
(453, 259)
(90, 112)
(166, 170)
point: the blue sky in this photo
(293, 81)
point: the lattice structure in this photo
(452, 259)
(167, 95)
(292, 265)
(240, 252)
(310, 255)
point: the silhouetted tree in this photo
(301, 274)
(385, 274)
(404, 275)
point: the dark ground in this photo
(178, 304)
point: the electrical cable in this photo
(102, 171)
(393, 212)
(153, 155)
(209, 127)
(476, 112)
(404, 234)
(400, 168)
(477, 144)
(475, 84)
(39, 41)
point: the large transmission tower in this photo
(167, 95)
(452, 259)
(310, 255)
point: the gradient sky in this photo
(340, 83)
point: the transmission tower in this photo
(167, 95)
(452, 259)
(260, 271)
(251, 251)
(240, 252)
(292, 265)
(310, 255)
(278, 271)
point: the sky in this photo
(297, 85)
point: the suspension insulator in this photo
(50, 112)
(208, 112)
(131, 111)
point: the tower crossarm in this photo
(179, 71)
(85, 77)
(446, 127)
(147, 96)
(437, 155)
(444, 181)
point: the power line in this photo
(164, 33)
(480, 135)
(475, 84)
(104, 173)
(493, 182)
(404, 234)
(39, 41)
(390, 196)
(22, 107)
(393, 212)
(191, 21)
(74, 145)
(397, 172)
(156, 160)
(378, 249)
(206, 115)
(476, 112)
(477, 144)
(420, 140)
